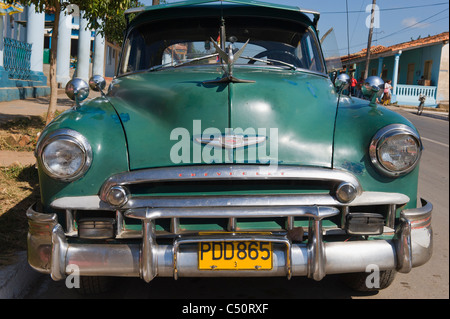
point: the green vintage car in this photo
(226, 146)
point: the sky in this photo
(398, 20)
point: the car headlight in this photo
(65, 155)
(395, 150)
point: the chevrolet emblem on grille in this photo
(229, 141)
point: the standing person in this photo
(353, 83)
(387, 92)
(422, 99)
(358, 87)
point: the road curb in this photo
(425, 113)
(17, 278)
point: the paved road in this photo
(428, 281)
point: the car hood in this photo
(174, 117)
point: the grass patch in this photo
(19, 189)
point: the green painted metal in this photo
(292, 103)
(145, 115)
(356, 124)
(200, 2)
(99, 123)
(208, 8)
(153, 105)
(284, 106)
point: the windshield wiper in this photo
(271, 62)
(157, 67)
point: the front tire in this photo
(357, 281)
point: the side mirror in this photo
(342, 82)
(77, 90)
(97, 83)
(373, 89)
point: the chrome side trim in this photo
(227, 172)
(149, 257)
(39, 239)
(59, 250)
(314, 212)
(40, 218)
(365, 198)
(418, 222)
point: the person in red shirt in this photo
(353, 84)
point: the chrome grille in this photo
(229, 212)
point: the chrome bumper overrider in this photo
(50, 252)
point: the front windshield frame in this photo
(303, 30)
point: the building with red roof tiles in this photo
(415, 67)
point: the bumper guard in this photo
(49, 251)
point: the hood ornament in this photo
(229, 59)
(230, 141)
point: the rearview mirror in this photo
(372, 89)
(342, 82)
(97, 83)
(77, 90)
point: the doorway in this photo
(410, 74)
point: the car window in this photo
(168, 43)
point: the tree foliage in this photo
(115, 24)
(96, 12)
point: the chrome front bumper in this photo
(50, 252)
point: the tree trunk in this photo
(53, 84)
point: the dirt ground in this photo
(19, 186)
(19, 189)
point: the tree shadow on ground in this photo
(13, 223)
(59, 102)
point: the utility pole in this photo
(348, 39)
(369, 42)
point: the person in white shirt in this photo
(387, 93)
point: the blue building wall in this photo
(418, 57)
(15, 89)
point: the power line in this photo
(387, 9)
(357, 20)
(404, 29)
(348, 37)
(411, 26)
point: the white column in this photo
(35, 36)
(395, 75)
(99, 55)
(2, 35)
(63, 49)
(84, 49)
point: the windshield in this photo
(163, 44)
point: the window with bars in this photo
(16, 58)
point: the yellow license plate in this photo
(235, 255)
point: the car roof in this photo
(189, 3)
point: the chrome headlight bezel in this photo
(382, 136)
(77, 140)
